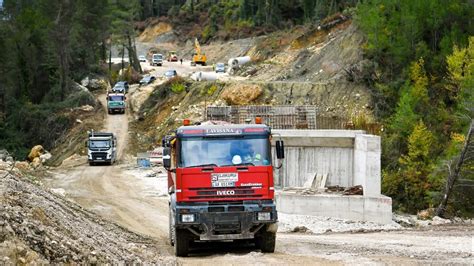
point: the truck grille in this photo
(96, 155)
(233, 192)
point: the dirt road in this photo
(113, 193)
(107, 191)
(185, 69)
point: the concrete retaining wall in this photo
(348, 158)
(356, 208)
(336, 162)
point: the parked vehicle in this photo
(116, 103)
(101, 148)
(142, 58)
(121, 87)
(220, 181)
(147, 80)
(172, 57)
(220, 68)
(156, 60)
(171, 73)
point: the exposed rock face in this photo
(95, 84)
(241, 94)
(155, 31)
(36, 162)
(35, 152)
(3, 155)
(38, 155)
(39, 227)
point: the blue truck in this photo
(116, 103)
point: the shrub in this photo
(211, 89)
(177, 87)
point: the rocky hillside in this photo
(40, 227)
(321, 66)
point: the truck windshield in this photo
(99, 144)
(249, 150)
(116, 98)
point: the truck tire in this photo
(181, 245)
(91, 163)
(265, 241)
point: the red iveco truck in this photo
(220, 180)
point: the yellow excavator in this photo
(198, 57)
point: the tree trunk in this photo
(453, 175)
(132, 55)
(61, 34)
(123, 54)
(2, 103)
(110, 57)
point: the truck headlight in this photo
(264, 216)
(187, 218)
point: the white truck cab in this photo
(156, 60)
(101, 148)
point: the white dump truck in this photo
(101, 148)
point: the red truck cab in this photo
(220, 180)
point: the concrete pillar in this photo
(367, 169)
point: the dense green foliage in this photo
(46, 45)
(226, 17)
(423, 61)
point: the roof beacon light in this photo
(186, 122)
(258, 120)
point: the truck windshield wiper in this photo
(203, 165)
(239, 164)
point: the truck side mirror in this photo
(167, 158)
(86, 144)
(280, 149)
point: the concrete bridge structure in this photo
(347, 158)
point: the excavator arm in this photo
(198, 57)
(197, 47)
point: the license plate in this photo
(224, 179)
(99, 158)
(223, 184)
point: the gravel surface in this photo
(319, 225)
(39, 226)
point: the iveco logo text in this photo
(225, 192)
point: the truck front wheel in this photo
(266, 241)
(181, 243)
